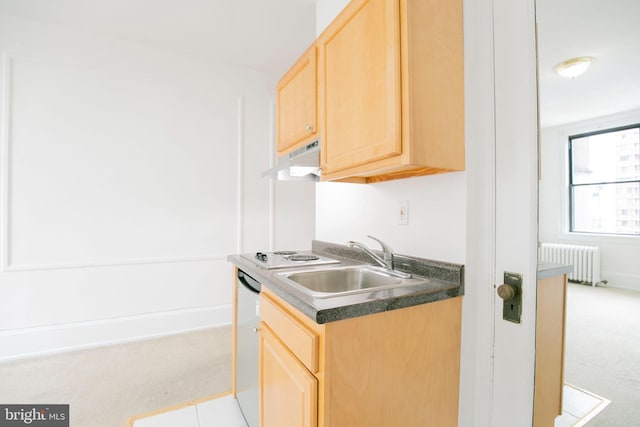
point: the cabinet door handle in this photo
(256, 330)
(309, 128)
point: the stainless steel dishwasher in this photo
(248, 322)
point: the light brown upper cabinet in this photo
(296, 104)
(391, 90)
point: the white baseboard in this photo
(621, 280)
(30, 342)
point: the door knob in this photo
(506, 292)
(511, 293)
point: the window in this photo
(604, 181)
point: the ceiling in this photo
(267, 35)
(606, 30)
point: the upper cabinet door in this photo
(296, 103)
(359, 66)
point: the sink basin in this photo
(346, 280)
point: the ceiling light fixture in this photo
(572, 68)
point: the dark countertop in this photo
(446, 280)
(551, 269)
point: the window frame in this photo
(570, 139)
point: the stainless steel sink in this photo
(338, 281)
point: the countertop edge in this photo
(446, 281)
(550, 269)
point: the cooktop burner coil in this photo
(300, 257)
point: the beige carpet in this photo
(602, 353)
(105, 386)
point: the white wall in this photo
(294, 224)
(326, 11)
(436, 215)
(619, 254)
(122, 167)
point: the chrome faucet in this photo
(387, 255)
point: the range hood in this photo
(302, 164)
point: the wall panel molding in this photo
(272, 183)
(240, 176)
(127, 176)
(5, 152)
(43, 340)
(114, 263)
(6, 263)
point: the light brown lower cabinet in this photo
(289, 392)
(396, 368)
(550, 337)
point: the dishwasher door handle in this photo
(249, 282)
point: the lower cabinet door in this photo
(288, 391)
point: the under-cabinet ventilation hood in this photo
(302, 164)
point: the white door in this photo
(516, 196)
(497, 369)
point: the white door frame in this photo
(501, 108)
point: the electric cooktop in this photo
(286, 259)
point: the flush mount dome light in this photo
(573, 67)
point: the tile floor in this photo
(220, 412)
(579, 406)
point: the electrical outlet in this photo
(403, 212)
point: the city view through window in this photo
(605, 181)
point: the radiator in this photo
(584, 259)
